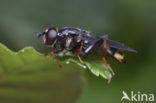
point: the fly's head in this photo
(49, 36)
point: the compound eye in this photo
(50, 36)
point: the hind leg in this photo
(104, 58)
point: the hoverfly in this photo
(81, 42)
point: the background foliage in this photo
(132, 22)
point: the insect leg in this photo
(104, 58)
(105, 44)
(57, 59)
(107, 65)
(58, 63)
(78, 53)
(47, 54)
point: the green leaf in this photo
(97, 67)
(29, 77)
(94, 64)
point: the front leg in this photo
(53, 55)
(57, 59)
(47, 54)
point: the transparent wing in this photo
(117, 45)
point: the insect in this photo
(81, 42)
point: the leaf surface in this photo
(29, 77)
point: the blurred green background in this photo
(132, 22)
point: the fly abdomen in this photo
(116, 54)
